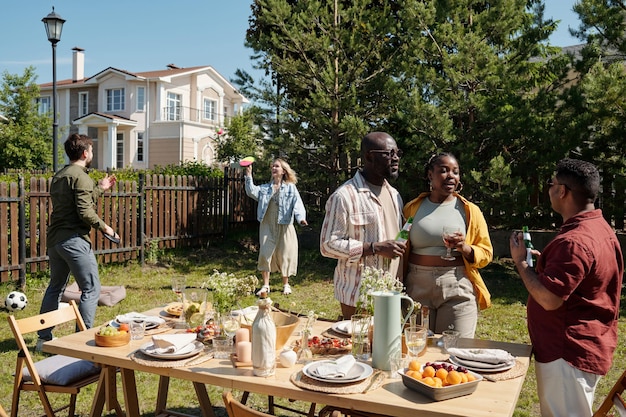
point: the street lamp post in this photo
(54, 25)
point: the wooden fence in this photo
(155, 212)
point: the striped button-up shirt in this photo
(354, 215)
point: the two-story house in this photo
(142, 119)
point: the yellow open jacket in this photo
(477, 236)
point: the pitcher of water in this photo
(388, 325)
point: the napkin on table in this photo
(172, 343)
(345, 326)
(492, 356)
(337, 369)
(128, 317)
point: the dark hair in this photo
(76, 144)
(581, 177)
(434, 160)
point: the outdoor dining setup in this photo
(371, 365)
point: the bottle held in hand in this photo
(530, 258)
(403, 235)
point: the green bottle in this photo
(403, 235)
(530, 258)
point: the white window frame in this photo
(173, 108)
(141, 146)
(119, 146)
(83, 103)
(44, 104)
(141, 99)
(115, 99)
(209, 109)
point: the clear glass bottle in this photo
(305, 354)
(403, 235)
(263, 340)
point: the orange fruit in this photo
(454, 378)
(124, 327)
(429, 381)
(428, 371)
(470, 377)
(441, 374)
(414, 365)
(438, 382)
(414, 374)
(463, 377)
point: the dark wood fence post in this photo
(142, 220)
(22, 231)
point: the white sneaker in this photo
(39, 345)
(264, 289)
(286, 289)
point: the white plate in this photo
(482, 367)
(343, 327)
(358, 372)
(188, 351)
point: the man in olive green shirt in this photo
(74, 195)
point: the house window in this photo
(119, 162)
(209, 109)
(173, 106)
(115, 99)
(83, 103)
(141, 98)
(140, 146)
(43, 105)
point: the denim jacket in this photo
(289, 202)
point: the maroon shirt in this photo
(583, 265)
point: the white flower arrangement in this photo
(373, 280)
(228, 288)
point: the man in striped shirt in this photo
(363, 217)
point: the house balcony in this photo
(191, 115)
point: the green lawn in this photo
(150, 286)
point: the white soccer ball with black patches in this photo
(16, 301)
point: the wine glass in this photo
(178, 286)
(415, 339)
(230, 325)
(450, 235)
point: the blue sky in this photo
(146, 35)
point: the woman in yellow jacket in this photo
(452, 288)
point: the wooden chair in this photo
(236, 409)
(56, 374)
(3, 413)
(614, 399)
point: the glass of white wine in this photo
(178, 286)
(415, 339)
(230, 325)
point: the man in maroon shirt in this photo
(573, 302)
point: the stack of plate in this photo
(192, 349)
(358, 372)
(482, 360)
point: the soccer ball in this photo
(15, 301)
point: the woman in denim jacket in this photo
(279, 202)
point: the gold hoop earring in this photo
(459, 187)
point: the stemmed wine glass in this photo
(415, 338)
(449, 236)
(178, 286)
(230, 325)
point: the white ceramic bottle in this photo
(264, 340)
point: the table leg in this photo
(130, 392)
(204, 400)
(164, 384)
(99, 397)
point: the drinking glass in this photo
(415, 339)
(449, 235)
(450, 338)
(194, 306)
(178, 286)
(360, 336)
(230, 325)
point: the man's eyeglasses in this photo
(551, 182)
(390, 153)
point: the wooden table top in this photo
(392, 398)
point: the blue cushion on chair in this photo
(62, 370)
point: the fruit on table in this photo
(440, 374)
(125, 327)
(110, 331)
